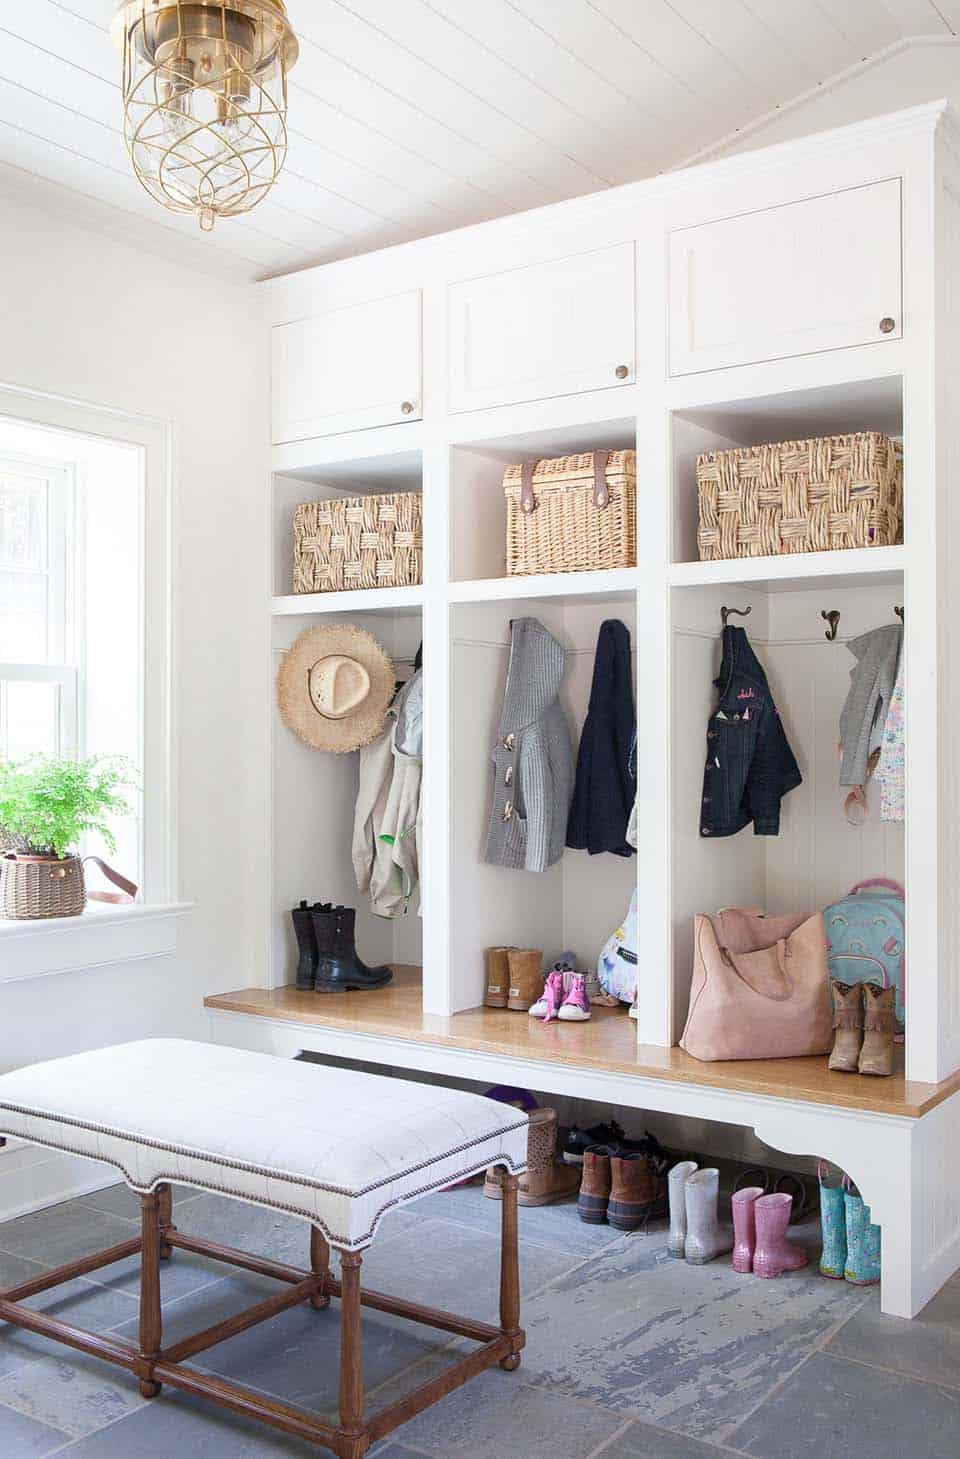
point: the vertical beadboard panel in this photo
(948, 636)
(818, 855)
(708, 874)
(490, 905)
(596, 889)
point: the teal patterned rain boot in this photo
(863, 1242)
(833, 1227)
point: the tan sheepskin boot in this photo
(546, 1178)
(525, 966)
(848, 1022)
(879, 1027)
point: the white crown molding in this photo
(832, 83)
(627, 198)
(107, 220)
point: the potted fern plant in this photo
(46, 806)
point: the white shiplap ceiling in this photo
(409, 117)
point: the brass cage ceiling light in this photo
(205, 100)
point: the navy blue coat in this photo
(749, 765)
(606, 784)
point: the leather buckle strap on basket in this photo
(572, 513)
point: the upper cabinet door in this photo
(347, 369)
(813, 275)
(549, 329)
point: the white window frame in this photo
(63, 664)
(156, 440)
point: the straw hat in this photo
(334, 686)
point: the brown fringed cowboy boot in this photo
(879, 1027)
(848, 1022)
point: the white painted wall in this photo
(92, 319)
(906, 74)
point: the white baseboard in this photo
(32, 1178)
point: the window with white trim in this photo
(39, 671)
(72, 613)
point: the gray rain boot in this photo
(706, 1238)
(676, 1181)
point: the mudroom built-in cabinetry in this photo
(808, 290)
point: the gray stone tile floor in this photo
(629, 1355)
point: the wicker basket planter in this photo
(801, 496)
(572, 513)
(41, 886)
(358, 542)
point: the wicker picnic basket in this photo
(358, 542)
(572, 513)
(801, 496)
(41, 886)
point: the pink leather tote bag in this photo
(760, 988)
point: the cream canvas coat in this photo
(387, 822)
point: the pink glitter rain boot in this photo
(744, 1227)
(774, 1254)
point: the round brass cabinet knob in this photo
(408, 407)
(622, 371)
(887, 325)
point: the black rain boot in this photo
(307, 943)
(339, 969)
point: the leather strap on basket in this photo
(601, 492)
(128, 889)
(528, 502)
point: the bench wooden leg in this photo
(510, 1271)
(151, 1330)
(319, 1264)
(353, 1441)
(166, 1220)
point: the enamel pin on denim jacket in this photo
(749, 764)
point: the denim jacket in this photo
(749, 764)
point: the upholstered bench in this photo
(337, 1148)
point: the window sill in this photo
(98, 938)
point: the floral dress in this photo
(891, 770)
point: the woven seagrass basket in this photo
(572, 513)
(801, 496)
(41, 886)
(358, 542)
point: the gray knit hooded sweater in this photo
(871, 685)
(533, 756)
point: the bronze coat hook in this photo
(832, 617)
(742, 612)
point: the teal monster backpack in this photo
(866, 935)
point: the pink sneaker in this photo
(548, 1004)
(575, 1007)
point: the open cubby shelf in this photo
(466, 604)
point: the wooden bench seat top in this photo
(333, 1146)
